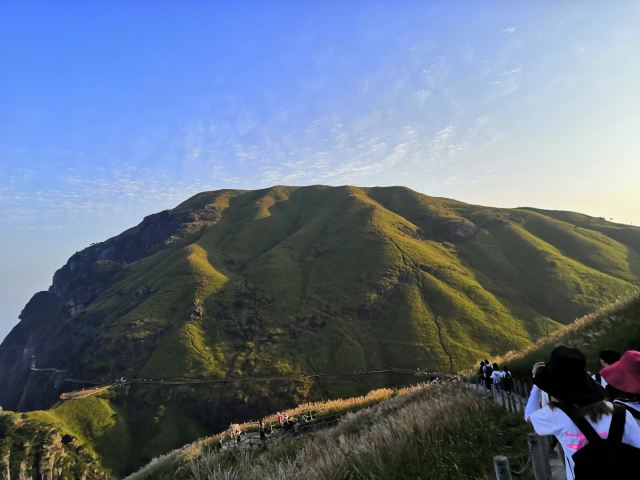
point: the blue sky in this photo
(112, 110)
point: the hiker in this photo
(487, 371)
(579, 417)
(263, 431)
(607, 357)
(481, 373)
(507, 379)
(280, 419)
(496, 377)
(623, 379)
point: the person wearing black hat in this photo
(607, 357)
(570, 387)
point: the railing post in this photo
(504, 404)
(501, 464)
(539, 457)
(514, 407)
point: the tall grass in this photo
(165, 465)
(437, 432)
(616, 325)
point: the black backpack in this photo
(631, 410)
(488, 370)
(604, 458)
(507, 381)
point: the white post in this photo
(501, 465)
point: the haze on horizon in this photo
(111, 111)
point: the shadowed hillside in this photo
(292, 280)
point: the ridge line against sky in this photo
(115, 110)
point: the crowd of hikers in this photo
(492, 377)
(283, 424)
(594, 417)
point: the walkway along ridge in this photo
(544, 467)
(98, 388)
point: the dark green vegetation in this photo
(288, 280)
(615, 326)
(438, 432)
(34, 447)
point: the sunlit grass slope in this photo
(319, 278)
(615, 326)
(437, 432)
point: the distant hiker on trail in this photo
(487, 371)
(263, 431)
(496, 377)
(624, 382)
(607, 357)
(580, 419)
(481, 372)
(507, 379)
(280, 417)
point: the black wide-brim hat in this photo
(565, 377)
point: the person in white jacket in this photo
(568, 384)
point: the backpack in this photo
(598, 378)
(507, 381)
(488, 370)
(604, 458)
(631, 410)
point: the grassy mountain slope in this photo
(308, 264)
(615, 326)
(437, 432)
(291, 280)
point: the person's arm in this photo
(533, 404)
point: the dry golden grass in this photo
(438, 432)
(173, 460)
(613, 326)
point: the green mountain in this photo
(294, 280)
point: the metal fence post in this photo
(539, 457)
(501, 464)
(514, 407)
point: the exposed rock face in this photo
(47, 329)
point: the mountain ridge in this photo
(285, 281)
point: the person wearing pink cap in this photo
(623, 378)
(578, 415)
